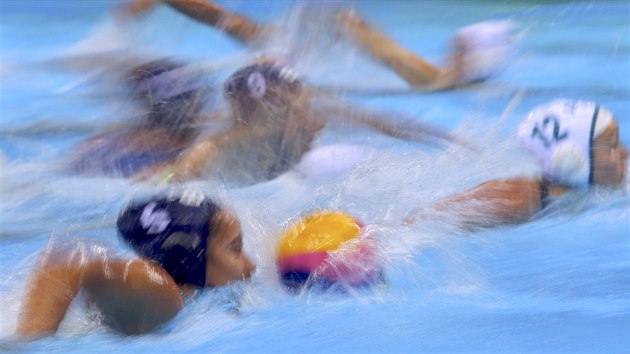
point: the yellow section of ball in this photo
(319, 232)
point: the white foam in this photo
(331, 160)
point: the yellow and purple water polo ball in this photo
(327, 247)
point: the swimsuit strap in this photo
(591, 143)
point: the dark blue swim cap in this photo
(173, 93)
(172, 231)
(165, 79)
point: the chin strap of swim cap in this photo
(560, 136)
(173, 231)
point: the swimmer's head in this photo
(262, 86)
(575, 142)
(173, 94)
(482, 50)
(196, 241)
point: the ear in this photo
(154, 221)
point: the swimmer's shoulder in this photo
(134, 295)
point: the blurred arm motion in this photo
(239, 27)
(411, 67)
(492, 203)
(479, 52)
(390, 123)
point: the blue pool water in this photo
(558, 284)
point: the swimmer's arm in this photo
(135, 8)
(493, 203)
(137, 295)
(393, 124)
(195, 160)
(399, 129)
(240, 27)
(49, 292)
(412, 68)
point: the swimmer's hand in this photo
(349, 21)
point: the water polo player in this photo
(576, 144)
(480, 51)
(185, 241)
(274, 126)
(327, 248)
(271, 128)
(171, 98)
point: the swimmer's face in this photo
(226, 260)
(260, 89)
(610, 158)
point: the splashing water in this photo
(559, 283)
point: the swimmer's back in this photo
(123, 152)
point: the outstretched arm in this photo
(493, 203)
(393, 124)
(134, 295)
(412, 68)
(135, 8)
(240, 27)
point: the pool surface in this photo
(558, 284)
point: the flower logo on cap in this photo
(256, 84)
(154, 221)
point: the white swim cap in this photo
(560, 135)
(487, 45)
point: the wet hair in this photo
(173, 95)
(173, 231)
(261, 83)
